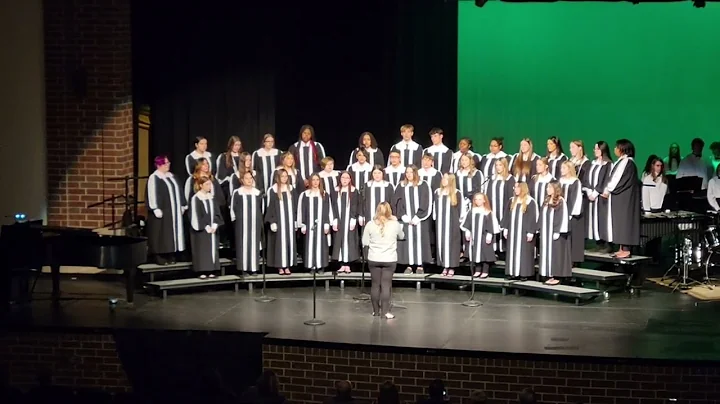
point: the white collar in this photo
(252, 191)
(558, 157)
(578, 162)
(197, 155)
(312, 192)
(428, 171)
(441, 148)
(402, 145)
(567, 180)
(262, 152)
(288, 189)
(338, 189)
(325, 174)
(304, 144)
(356, 166)
(483, 210)
(378, 184)
(162, 174)
(541, 177)
(600, 162)
(459, 153)
(204, 196)
(398, 169)
(497, 155)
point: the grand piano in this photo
(32, 246)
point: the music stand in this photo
(685, 189)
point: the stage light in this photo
(480, 3)
(20, 217)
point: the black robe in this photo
(394, 174)
(432, 176)
(449, 237)
(482, 226)
(573, 195)
(192, 158)
(223, 171)
(265, 163)
(346, 241)
(487, 163)
(330, 181)
(360, 175)
(305, 161)
(554, 253)
(469, 183)
(376, 193)
(410, 153)
(280, 216)
(624, 203)
(246, 211)
(596, 178)
(216, 190)
(456, 160)
(520, 257)
(205, 215)
(315, 216)
(442, 156)
(166, 234)
(533, 168)
(554, 164)
(499, 193)
(295, 180)
(234, 183)
(538, 187)
(413, 206)
(374, 157)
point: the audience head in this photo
(715, 149)
(436, 389)
(267, 384)
(697, 146)
(527, 396)
(478, 397)
(343, 390)
(388, 394)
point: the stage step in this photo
(189, 283)
(152, 269)
(397, 277)
(465, 279)
(608, 258)
(299, 276)
(599, 277)
(557, 290)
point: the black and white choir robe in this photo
(582, 167)
(346, 241)
(447, 218)
(456, 159)
(538, 187)
(265, 162)
(246, 212)
(442, 156)
(204, 217)
(216, 191)
(410, 153)
(294, 180)
(432, 176)
(483, 228)
(413, 206)
(573, 195)
(376, 192)
(487, 163)
(554, 164)
(360, 174)
(234, 183)
(499, 192)
(469, 182)
(315, 216)
(223, 171)
(330, 180)
(555, 257)
(307, 161)
(624, 203)
(192, 158)
(280, 211)
(166, 204)
(597, 210)
(394, 174)
(374, 157)
(533, 167)
(518, 225)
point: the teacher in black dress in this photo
(380, 236)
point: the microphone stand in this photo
(314, 321)
(472, 302)
(263, 244)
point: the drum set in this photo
(699, 255)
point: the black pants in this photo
(381, 274)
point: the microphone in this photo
(314, 226)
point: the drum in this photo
(712, 238)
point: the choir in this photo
(451, 205)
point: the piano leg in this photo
(130, 285)
(55, 274)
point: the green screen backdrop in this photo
(590, 71)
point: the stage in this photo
(655, 325)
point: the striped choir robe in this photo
(469, 182)
(456, 159)
(166, 204)
(517, 227)
(487, 163)
(234, 182)
(555, 258)
(595, 181)
(375, 193)
(265, 162)
(246, 211)
(294, 180)
(360, 174)
(205, 218)
(330, 180)
(216, 191)
(432, 176)
(394, 174)
(192, 158)
(499, 192)
(347, 205)
(413, 206)
(410, 153)
(280, 216)
(442, 157)
(315, 217)
(538, 187)
(572, 191)
(447, 221)
(224, 172)
(374, 156)
(554, 164)
(482, 227)
(307, 161)
(519, 176)
(582, 166)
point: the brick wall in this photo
(73, 360)
(307, 375)
(89, 130)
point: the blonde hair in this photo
(524, 192)
(471, 166)
(570, 166)
(486, 205)
(383, 213)
(520, 165)
(545, 161)
(416, 176)
(285, 156)
(580, 144)
(198, 183)
(554, 199)
(324, 162)
(198, 173)
(406, 127)
(503, 162)
(451, 189)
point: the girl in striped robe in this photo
(360, 170)
(520, 223)
(266, 159)
(315, 218)
(281, 202)
(413, 205)
(205, 219)
(573, 195)
(447, 212)
(373, 155)
(308, 153)
(377, 190)
(500, 191)
(246, 211)
(346, 202)
(555, 260)
(481, 227)
(469, 179)
(595, 180)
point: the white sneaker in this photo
(203, 277)
(389, 316)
